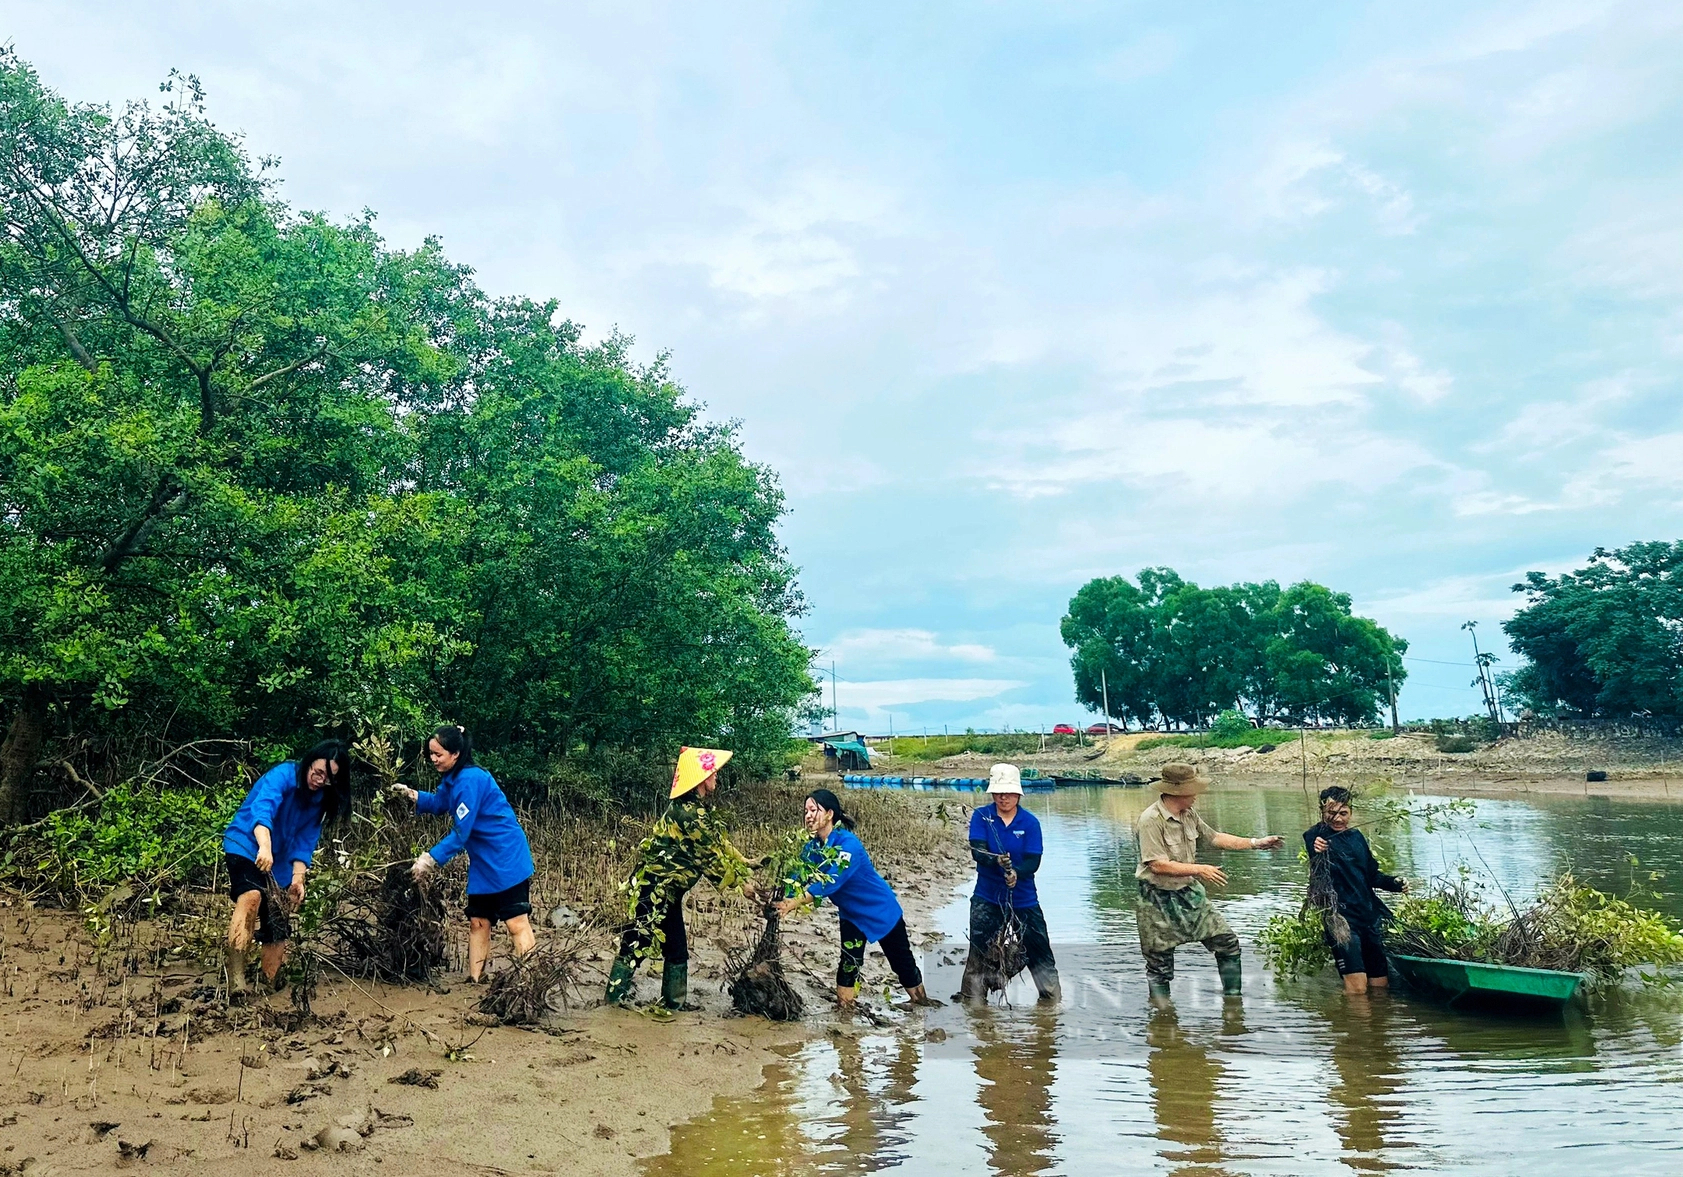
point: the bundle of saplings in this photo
(1569, 926)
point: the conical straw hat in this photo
(696, 765)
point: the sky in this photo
(1014, 295)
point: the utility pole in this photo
(835, 711)
(1104, 688)
(1391, 689)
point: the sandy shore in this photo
(88, 1082)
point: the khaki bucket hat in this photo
(1182, 780)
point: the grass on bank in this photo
(927, 748)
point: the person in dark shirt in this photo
(1344, 854)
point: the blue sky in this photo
(1015, 295)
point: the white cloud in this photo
(880, 695)
(903, 645)
(1197, 460)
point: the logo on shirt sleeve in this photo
(462, 811)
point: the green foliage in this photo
(1251, 737)
(1231, 724)
(1294, 943)
(1455, 744)
(1384, 733)
(1603, 640)
(1171, 651)
(147, 839)
(262, 474)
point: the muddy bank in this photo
(107, 1063)
(1548, 762)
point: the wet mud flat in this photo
(107, 1064)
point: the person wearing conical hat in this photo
(688, 843)
(1174, 908)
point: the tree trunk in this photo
(20, 753)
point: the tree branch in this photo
(292, 367)
(75, 345)
(167, 499)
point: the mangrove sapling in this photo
(757, 985)
(1004, 955)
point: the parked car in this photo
(1064, 729)
(1099, 729)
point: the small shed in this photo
(846, 755)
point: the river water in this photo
(1294, 1079)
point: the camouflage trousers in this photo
(1168, 919)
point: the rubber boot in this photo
(1159, 991)
(675, 986)
(1232, 976)
(622, 982)
(1046, 984)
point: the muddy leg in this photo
(520, 929)
(274, 956)
(242, 928)
(479, 947)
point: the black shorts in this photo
(244, 876)
(1365, 953)
(502, 905)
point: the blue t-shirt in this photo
(483, 823)
(291, 813)
(1021, 837)
(862, 896)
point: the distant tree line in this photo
(1174, 654)
(263, 476)
(1604, 641)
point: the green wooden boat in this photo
(1490, 985)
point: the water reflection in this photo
(1296, 1080)
(1185, 1082)
(1015, 1062)
(1367, 1077)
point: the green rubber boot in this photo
(622, 982)
(675, 987)
(1159, 991)
(1232, 976)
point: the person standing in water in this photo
(1174, 908)
(278, 826)
(1005, 842)
(484, 824)
(1354, 873)
(688, 843)
(842, 872)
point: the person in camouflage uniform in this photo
(689, 843)
(1174, 908)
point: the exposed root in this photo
(537, 983)
(1004, 955)
(757, 984)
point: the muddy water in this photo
(1294, 1079)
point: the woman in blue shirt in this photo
(278, 826)
(484, 824)
(1006, 845)
(842, 873)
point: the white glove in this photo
(423, 864)
(405, 792)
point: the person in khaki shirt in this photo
(1174, 908)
